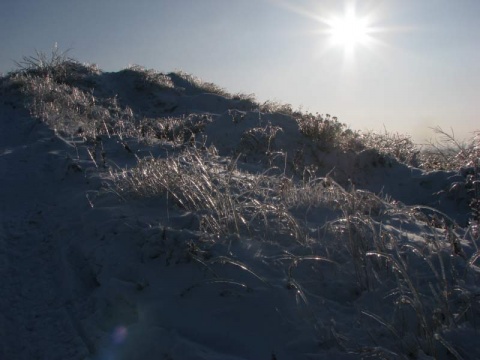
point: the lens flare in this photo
(119, 335)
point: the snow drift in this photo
(155, 216)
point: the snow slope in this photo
(93, 272)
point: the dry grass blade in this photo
(215, 281)
(417, 304)
(417, 251)
(225, 259)
(203, 263)
(449, 347)
(473, 259)
(293, 284)
(382, 322)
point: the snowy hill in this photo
(155, 216)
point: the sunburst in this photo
(349, 31)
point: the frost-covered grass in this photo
(367, 274)
(425, 284)
(60, 92)
(146, 79)
(228, 201)
(449, 153)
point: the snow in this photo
(92, 273)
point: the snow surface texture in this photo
(92, 271)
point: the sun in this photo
(349, 31)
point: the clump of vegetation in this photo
(259, 140)
(197, 85)
(193, 85)
(147, 79)
(447, 153)
(57, 66)
(227, 200)
(73, 111)
(328, 132)
(179, 130)
(60, 92)
(271, 107)
(400, 147)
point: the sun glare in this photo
(346, 30)
(349, 31)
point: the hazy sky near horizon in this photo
(418, 68)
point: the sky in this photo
(409, 66)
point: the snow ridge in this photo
(155, 216)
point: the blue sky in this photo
(421, 68)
